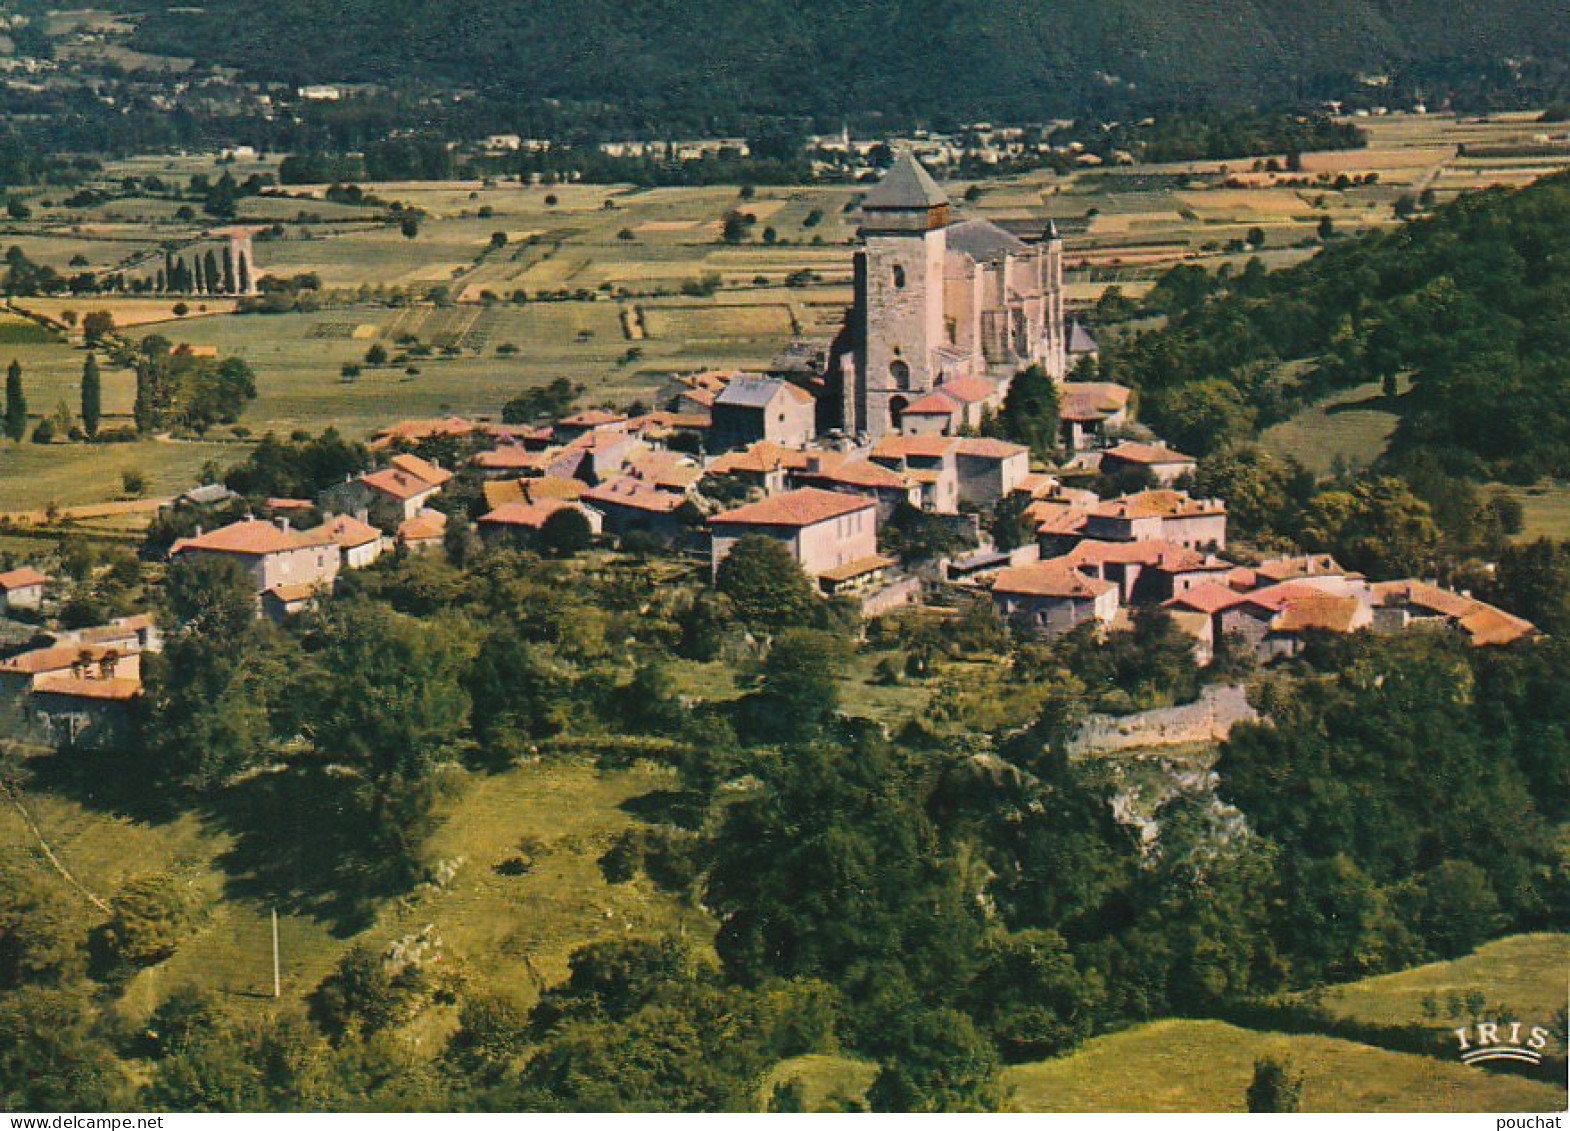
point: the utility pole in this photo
(277, 976)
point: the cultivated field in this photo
(626, 286)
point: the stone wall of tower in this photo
(1056, 328)
(901, 296)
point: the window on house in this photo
(899, 277)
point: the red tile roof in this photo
(1207, 597)
(511, 457)
(922, 447)
(1089, 401)
(427, 526)
(805, 507)
(1053, 517)
(421, 469)
(1147, 454)
(24, 578)
(933, 404)
(1159, 504)
(1323, 613)
(593, 418)
(1307, 565)
(349, 532)
(252, 538)
(856, 473)
(858, 568)
(763, 457)
(531, 516)
(1277, 597)
(60, 657)
(969, 390)
(1153, 553)
(985, 447)
(1050, 579)
(400, 485)
(633, 493)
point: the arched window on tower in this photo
(901, 373)
(899, 277)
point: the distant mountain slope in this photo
(829, 57)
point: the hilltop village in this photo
(884, 472)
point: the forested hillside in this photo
(1021, 58)
(1472, 303)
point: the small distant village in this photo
(835, 453)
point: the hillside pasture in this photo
(1178, 1066)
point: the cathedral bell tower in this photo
(899, 296)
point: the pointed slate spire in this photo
(1051, 233)
(906, 185)
(907, 199)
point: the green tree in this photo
(1201, 417)
(151, 916)
(92, 397)
(566, 532)
(1454, 908)
(388, 701)
(361, 993)
(767, 587)
(1030, 412)
(1275, 1087)
(15, 403)
(1030, 998)
(54, 1055)
(799, 693)
(41, 939)
(935, 1061)
(492, 1033)
(96, 326)
(1377, 525)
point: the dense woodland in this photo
(1026, 61)
(943, 900)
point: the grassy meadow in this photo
(1175, 1066)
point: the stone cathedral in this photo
(941, 305)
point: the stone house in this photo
(1160, 516)
(988, 469)
(751, 409)
(629, 505)
(1089, 410)
(84, 714)
(958, 404)
(520, 523)
(1165, 465)
(1050, 598)
(22, 589)
(931, 462)
(1402, 604)
(271, 555)
(852, 475)
(359, 542)
(824, 530)
(391, 495)
(1146, 572)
